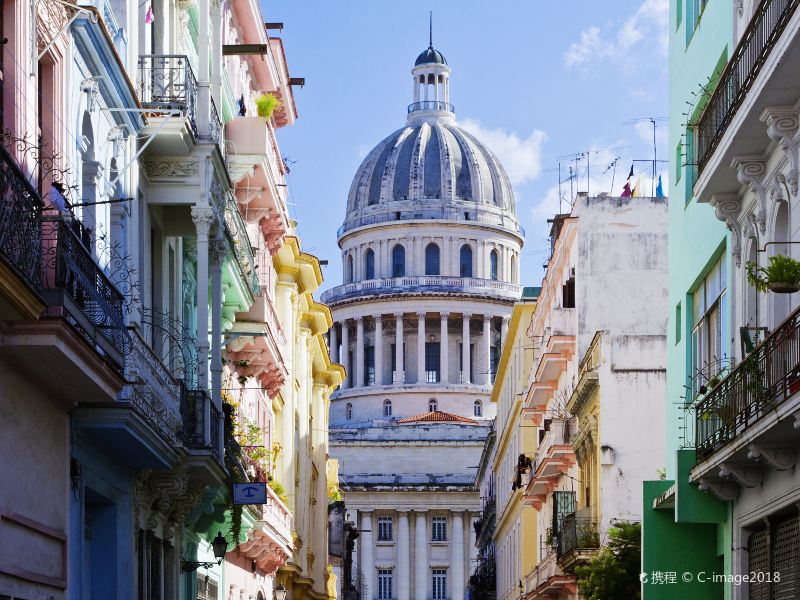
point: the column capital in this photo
(487, 318)
(420, 511)
(421, 315)
(444, 315)
(506, 319)
(218, 249)
(466, 316)
(359, 319)
(398, 315)
(379, 318)
(203, 218)
(403, 511)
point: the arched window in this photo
(433, 405)
(513, 269)
(350, 269)
(387, 408)
(431, 259)
(466, 261)
(477, 408)
(348, 411)
(398, 261)
(369, 264)
(493, 265)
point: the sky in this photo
(538, 81)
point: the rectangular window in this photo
(563, 504)
(384, 584)
(432, 356)
(568, 293)
(384, 529)
(369, 365)
(773, 550)
(679, 13)
(678, 323)
(207, 588)
(439, 529)
(439, 586)
(709, 302)
(693, 18)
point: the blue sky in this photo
(536, 80)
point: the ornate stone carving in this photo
(203, 218)
(724, 490)
(727, 208)
(782, 125)
(171, 168)
(779, 459)
(745, 476)
(750, 171)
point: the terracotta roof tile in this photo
(438, 416)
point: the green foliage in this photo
(781, 269)
(266, 105)
(279, 490)
(334, 495)
(614, 572)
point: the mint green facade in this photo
(684, 529)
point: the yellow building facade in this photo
(515, 534)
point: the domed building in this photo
(430, 248)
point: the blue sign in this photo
(250, 493)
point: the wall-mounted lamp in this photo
(220, 546)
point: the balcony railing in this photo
(72, 280)
(426, 283)
(20, 221)
(577, 533)
(765, 28)
(151, 390)
(766, 378)
(240, 242)
(196, 407)
(508, 220)
(167, 82)
(431, 376)
(214, 124)
(430, 105)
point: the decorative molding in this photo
(203, 218)
(171, 168)
(745, 476)
(724, 490)
(782, 126)
(750, 171)
(779, 459)
(727, 207)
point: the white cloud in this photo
(616, 42)
(522, 158)
(644, 129)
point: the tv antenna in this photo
(655, 122)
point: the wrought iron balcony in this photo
(576, 534)
(764, 380)
(430, 105)
(196, 409)
(240, 242)
(20, 221)
(74, 284)
(765, 28)
(167, 82)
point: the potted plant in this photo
(781, 275)
(266, 105)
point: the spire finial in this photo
(430, 30)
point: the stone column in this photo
(378, 349)
(421, 348)
(473, 549)
(486, 342)
(348, 382)
(203, 218)
(219, 249)
(359, 370)
(398, 341)
(420, 556)
(334, 344)
(457, 556)
(367, 561)
(403, 556)
(444, 350)
(465, 367)
(504, 331)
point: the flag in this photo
(626, 191)
(637, 189)
(148, 16)
(659, 188)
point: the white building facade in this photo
(430, 248)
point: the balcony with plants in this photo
(577, 539)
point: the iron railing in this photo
(507, 221)
(577, 533)
(72, 279)
(767, 25)
(428, 283)
(20, 221)
(167, 82)
(196, 407)
(766, 378)
(430, 105)
(240, 242)
(215, 124)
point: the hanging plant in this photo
(266, 105)
(781, 275)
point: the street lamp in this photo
(280, 592)
(220, 546)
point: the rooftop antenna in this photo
(612, 165)
(655, 121)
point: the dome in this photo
(430, 56)
(432, 161)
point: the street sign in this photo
(250, 493)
